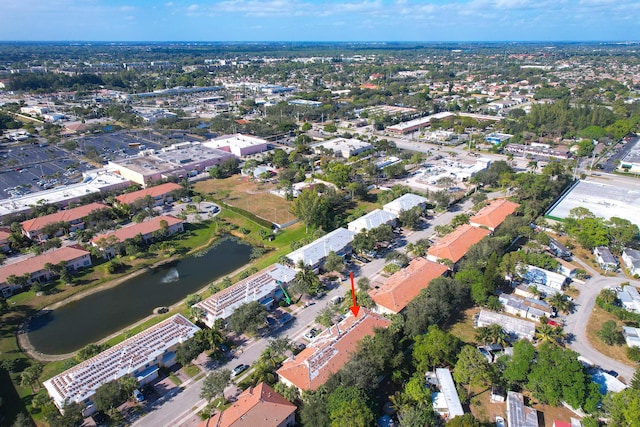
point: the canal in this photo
(98, 315)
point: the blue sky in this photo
(320, 20)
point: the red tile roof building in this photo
(258, 406)
(456, 244)
(160, 194)
(74, 216)
(74, 256)
(329, 351)
(494, 214)
(5, 244)
(403, 286)
(144, 229)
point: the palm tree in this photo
(548, 333)
(532, 166)
(608, 296)
(306, 282)
(560, 302)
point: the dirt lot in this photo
(251, 196)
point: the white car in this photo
(499, 421)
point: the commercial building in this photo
(417, 124)
(160, 193)
(239, 145)
(618, 198)
(497, 138)
(393, 295)
(405, 202)
(74, 258)
(631, 258)
(343, 147)
(261, 286)
(494, 214)
(456, 244)
(75, 217)
(178, 160)
(256, 406)
(373, 219)
(94, 182)
(631, 162)
(314, 254)
(516, 328)
(539, 150)
(139, 357)
(145, 230)
(446, 402)
(519, 415)
(329, 351)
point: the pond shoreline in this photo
(22, 332)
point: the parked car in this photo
(98, 418)
(137, 394)
(311, 334)
(499, 421)
(239, 369)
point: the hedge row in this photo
(619, 312)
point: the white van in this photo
(336, 300)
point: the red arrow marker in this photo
(355, 308)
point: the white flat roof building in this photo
(537, 275)
(618, 199)
(343, 146)
(449, 392)
(373, 219)
(631, 162)
(239, 145)
(517, 327)
(94, 182)
(404, 203)
(256, 287)
(519, 415)
(411, 125)
(314, 253)
(130, 357)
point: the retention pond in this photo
(100, 314)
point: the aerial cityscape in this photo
(319, 233)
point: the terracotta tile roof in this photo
(455, 245)
(144, 228)
(258, 406)
(154, 192)
(37, 263)
(4, 235)
(406, 284)
(330, 350)
(67, 215)
(492, 215)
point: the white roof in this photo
(343, 145)
(237, 140)
(316, 251)
(80, 382)
(373, 219)
(254, 288)
(405, 203)
(448, 389)
(420, 121)
(511, 325)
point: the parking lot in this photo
(118, 145)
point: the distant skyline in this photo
(320, 20)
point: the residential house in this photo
(160, 193)
(373, 219)
(527, 308)
(265, 284)
(5, 243)
(560, 250)
(446, 401)
(404, 203)
(494, 214)
(329, 351)
(145, 230)
(605, 258)
(535, 290)
(256, 406)
(519, 415)
(139, 356)
(74, 257)
(393, 295)
(629, 298)
(566, 268)
(516, 328)
(75, 217)
(538, 276)
(456, 244)
(631, 336)
(631, 258)
(314, 254)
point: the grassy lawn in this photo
(463, 327)
(191, 370)
(616, 352)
